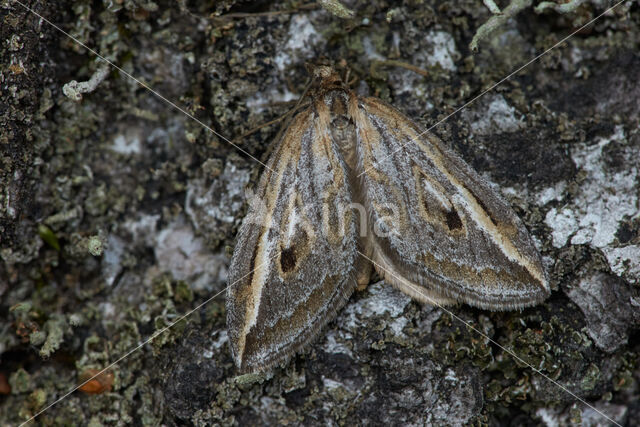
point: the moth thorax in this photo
(342, 127)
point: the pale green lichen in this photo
(567, 7)
(37, 338)
(55, 329)
(247, 380)
(62, 217)
(392, 13)
(183, 292)
(74, 89)
(485, 30)
(492, 6)
(337, 8)
(95, 245)
(20, 381)
(37, 399)
(21, 308)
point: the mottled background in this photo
(118, 212)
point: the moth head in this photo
(323, 72)
(324, 78)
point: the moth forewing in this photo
(459, 239)
(288, 280)
(353, 180)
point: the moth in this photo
(351, 186)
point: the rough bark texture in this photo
(118, 212)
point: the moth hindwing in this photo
(353, 184)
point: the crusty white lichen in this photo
(604, 199)
(75, 89)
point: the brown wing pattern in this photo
(443, 231)
(292, 267)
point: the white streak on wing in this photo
(293, 219)
(481, 218)
(436, 194)
(259, 279)
(263, 260)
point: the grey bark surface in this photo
(118, 212)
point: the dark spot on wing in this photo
(252, 264)
(288, 259)
(453, 220)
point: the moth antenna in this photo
(289, 114)
(307, 87)
(269, 123)
(347, 72)
(286, 116)
(376, 66)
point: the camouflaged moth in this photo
(351, 181)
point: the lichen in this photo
(118, 212)
(337, 8)
(55, 329)
(485, 30)
(74, 90)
